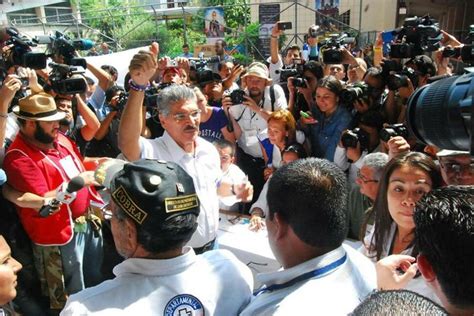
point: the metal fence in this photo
(253, 43)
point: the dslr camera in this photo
(418, 34)
(400, 79)
(393, 130)
(331, 48)
(237, 96)
(354, 92)
(351, 137)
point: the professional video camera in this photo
(418, 34)
(65, 79)
(350, 138)
(466, 52)
(331, 48)
(20, 54)
(440, 113)
(201, 62)
(296, 71)
(393, 130)
(62, 45)
(354, 92)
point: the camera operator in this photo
(302, 95)
(252, 115)
(276, 62)
(80, 123)
(105, 142)
(357, 143)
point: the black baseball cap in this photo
(207, 76)
(149, 188)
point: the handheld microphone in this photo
(65, 196)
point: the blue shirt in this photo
(210, 130)
(325, 134)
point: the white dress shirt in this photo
(417, 284)
(204, 167)
(214, 283)
(335, 291)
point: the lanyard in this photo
(306, 276)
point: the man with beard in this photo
(180, 117)
(252, 115)
(41, 161)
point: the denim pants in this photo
(82, 260)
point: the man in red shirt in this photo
(40, 160)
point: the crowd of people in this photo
(112, 197)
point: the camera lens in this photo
(440, 113)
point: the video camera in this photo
(20, 54)
(64, 79)
(331, 48)
(418, 34)
(201, 62)
(440, 113)
(466, 52)
(296, 71)
(62, 45)
(350, 138)
(354, 92)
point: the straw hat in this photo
(38, 107)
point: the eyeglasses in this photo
(183, 116)
(365, 180)
(458, 168)
(225, 157)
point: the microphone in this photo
(64, 195)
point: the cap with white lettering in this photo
(149, 188)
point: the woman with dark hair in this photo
(328, 120)
(405, 180)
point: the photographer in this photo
(252, 115)
(276, 62)
(301, 96)
(105, 142)
(357, 143)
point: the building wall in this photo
(377, 15)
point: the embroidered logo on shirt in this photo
(184, 304)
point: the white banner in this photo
(120, 60)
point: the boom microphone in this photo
(65, 196)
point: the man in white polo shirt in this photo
(180, 117)
(306, 225)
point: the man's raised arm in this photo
(142, 68)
